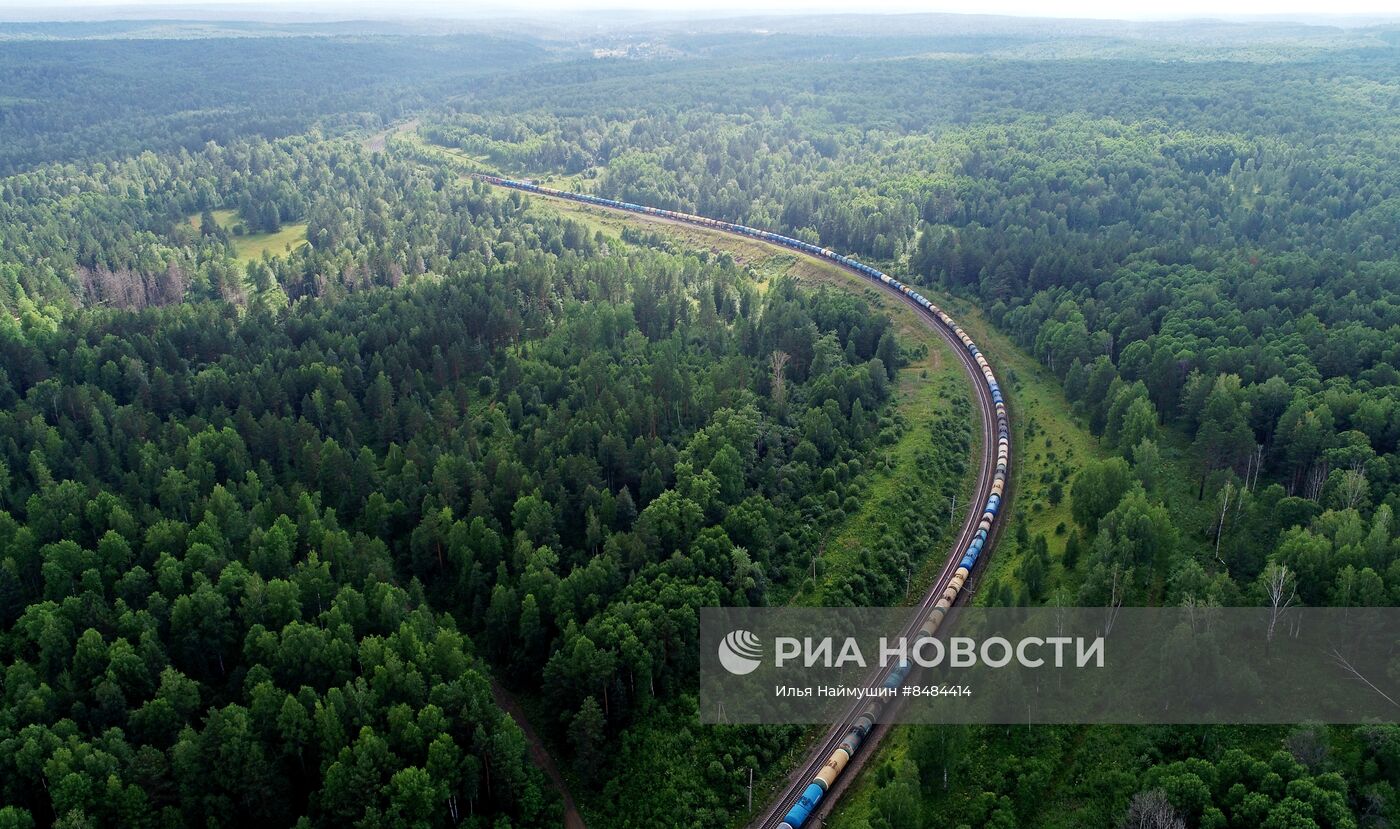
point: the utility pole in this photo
(952, 508)
(750, 788)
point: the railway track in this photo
(859, 731)
(772, 817)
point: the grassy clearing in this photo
(407, 136)
(252, 246)
(454, 153)
(1049, 444)
(379, 141)
(927, 388)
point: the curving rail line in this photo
(808, 786)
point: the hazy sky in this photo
(1120, 9)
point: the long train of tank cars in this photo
(836, 763)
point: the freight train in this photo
(804, 807)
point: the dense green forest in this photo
(273, 518)
(113, 97)
(271, 524)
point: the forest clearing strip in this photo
(573, 819)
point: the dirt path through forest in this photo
(572, 818)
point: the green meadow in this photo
(249, 247)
